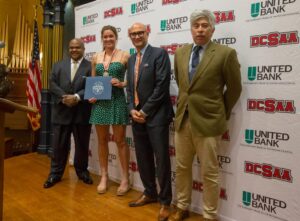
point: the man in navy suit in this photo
(70, 114)
(148, 78)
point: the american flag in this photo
(34, 84)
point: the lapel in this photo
(206, 59)
(185, 59)
(79, 70)
(145, 57)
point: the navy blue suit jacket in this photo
(153, 86)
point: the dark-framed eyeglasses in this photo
(137, 34)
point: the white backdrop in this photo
(259, 157)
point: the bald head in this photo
(138, 35)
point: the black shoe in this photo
(86, 178)
(51, 181)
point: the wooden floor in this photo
(25, 199)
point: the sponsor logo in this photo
(89, 19)
(263, 204)
(132, 51)
(274, 39)
(224, 16)
(268, 140)
(271, 74)
(173, 24)
(270, 105)
(172, 128)
(225, 41)
(172, 47)
(226, 136)
(89, 38)
(111, 157)
(172, 151)
(198, 186)
(173, 177)
(271, 8)
(133, 166)
(129, 142)
(173, 99)
(89, 55)
(223, 160)
(141, 7)
(268, 171)
(171, 2)
(113, 12)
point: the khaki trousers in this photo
(187, 144)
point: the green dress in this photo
(114, 111)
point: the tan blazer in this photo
(209, 104)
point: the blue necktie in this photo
(195, 61)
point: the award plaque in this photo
(98, 87)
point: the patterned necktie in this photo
(195, 61)
(136, 77)
(74, 69)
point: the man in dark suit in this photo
(209, 81)
(148, 78)
(70, 114)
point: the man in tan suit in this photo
(209, 81)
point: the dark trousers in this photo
(61, 148)
(153, 142)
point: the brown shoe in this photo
(164, 213)
(141, 201)
(179, 215)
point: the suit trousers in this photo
(187, 145)
(61, 148)
(150, 142)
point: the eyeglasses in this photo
(135, 34)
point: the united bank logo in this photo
(89, 19)
(141, 7)
(263, 204)
(224, 16)
(129, 142)
(113, 12)
(274, 39)
(271, 74)
(225, 41)
(270, 105)
(172, 151)
(172, 2)
(173, 24)
(132, 51)
(271, 8)
(268, 171)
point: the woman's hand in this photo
(92, 100)
(116, 83)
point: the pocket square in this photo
(146, 65)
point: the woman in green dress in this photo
(111, 62)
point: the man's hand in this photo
(137, 116)
(69, 100)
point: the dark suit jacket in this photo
(60, 84)
(209, 106)
(153, 86)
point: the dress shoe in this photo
(164, 213)
(179, 215)
(86, 178)
(51, 181)
(142, 200)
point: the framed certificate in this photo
(98, 87)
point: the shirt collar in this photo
(78, 61)
(144, 49)
(203, 46)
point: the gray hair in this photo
(203, 14)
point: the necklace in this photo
(106, 64)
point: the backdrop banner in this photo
(259, 155)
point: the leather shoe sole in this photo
(143, 200)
